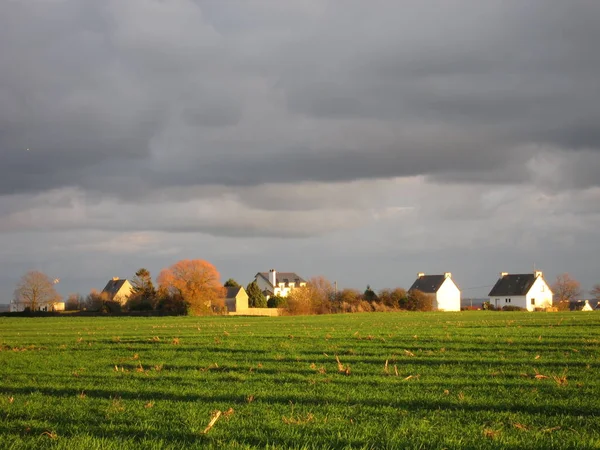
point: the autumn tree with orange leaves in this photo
(195, 281)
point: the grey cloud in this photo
(116, 99)
(525, 71)
(226, 216)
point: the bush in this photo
(74, 303)
(95, 301)
(111, 307)
(172, 304)
(419, 301)
(512, 308)
(562, 305)
(277, 302)
(138, 303)
(260, 302)
(364, 306)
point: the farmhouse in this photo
(442, 288)
(236, 299)
(118, 290)
(280, 284)
(528, 291)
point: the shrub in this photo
(138, 303)
(277, 302)
(111, 307)
(512, 308)
(260, 302)
(563, 305)
(364, 306)
(74, 303)
(419, 301)
(172, 304)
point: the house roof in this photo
(283, 277)
(513, 284)
(428, 284)
(232, 292)
(113, 286)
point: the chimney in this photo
(447, 275)
(420, 274)
(273, 277)
(503, 274)
(538, 273)
(115, 278)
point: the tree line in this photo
(194, 287)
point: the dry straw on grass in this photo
(215, 416)
(51, 434)
(341, 367)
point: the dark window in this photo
(533, 301)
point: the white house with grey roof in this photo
(273, 283)
(442, 288)
(525, 290)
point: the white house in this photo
(442, 287)
(280, 284)
(118, 290)
(528, 291)
(16, 306)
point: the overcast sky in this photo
(364, 141)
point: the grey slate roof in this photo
(513, 284)
(232, 292)
(428, 284)
(113, 286)
(284, 277)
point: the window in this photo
(533, 301)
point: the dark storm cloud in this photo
(124, 97)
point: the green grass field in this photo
(453, 380)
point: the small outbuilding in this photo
(236, 299)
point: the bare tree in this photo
(36, 290)
(595, 292)
(323, 294)
(74, 302)
(566, 288)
